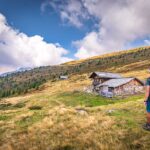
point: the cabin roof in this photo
(63, 76)
(118, 82)
(105, 75)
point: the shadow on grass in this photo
(9, 106)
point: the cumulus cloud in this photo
(90, 42)
(119, 24)
(19, 50)
(71, 11)
(147, 42)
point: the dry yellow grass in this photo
(138, 69)
(65, 128)
(118, 52)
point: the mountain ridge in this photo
(22, 69)
(106, 55)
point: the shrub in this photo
(19, 105)
(5, 106)
(35, 107)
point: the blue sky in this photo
(26, 16)
(49, 32)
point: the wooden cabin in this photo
(101, 77)
(110, 84)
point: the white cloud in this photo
(119, 23)
(147, 42)
(19, 50)
(90, 42)
(70, 11)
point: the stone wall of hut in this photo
(132, 87)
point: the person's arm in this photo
(147, 92)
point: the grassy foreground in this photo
(61, 118)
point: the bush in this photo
(5, 106)
(35, 107)
(19, 105)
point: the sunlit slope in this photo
(134, 62)
(117, 53)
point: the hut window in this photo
(110, 89)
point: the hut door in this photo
(105, 88)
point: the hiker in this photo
(147, 103)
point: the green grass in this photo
(4, 117)
(125, 118)
(29, 120)
(90, 100)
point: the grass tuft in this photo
(5, 106)
(19, 105)
(35, 107)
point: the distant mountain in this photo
(23, 69)
(16, 71)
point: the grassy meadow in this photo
(61, 116)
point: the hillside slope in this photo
(117, 53)
(130, 63)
